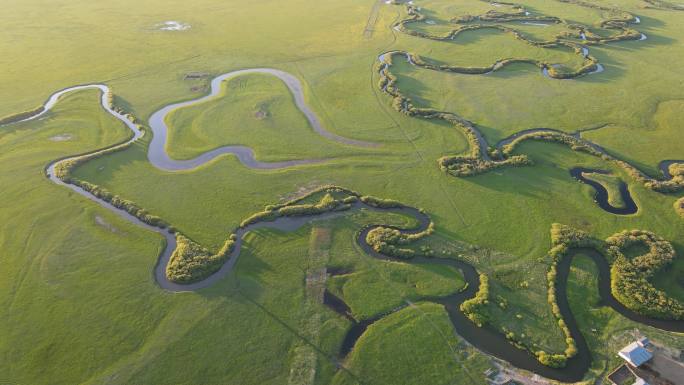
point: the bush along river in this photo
(484, 338)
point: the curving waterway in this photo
(157, 152)
(485, 339)
(158, 156)
(602, 195)
(488, 339)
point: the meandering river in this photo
(486, 339)
(159, 157)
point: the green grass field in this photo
(417, 336)
(78, 300)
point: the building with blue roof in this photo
(635, 354)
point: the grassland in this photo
(77, 289)
(256, 111)
(414, 281)
(417, 336)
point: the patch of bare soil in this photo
(302, 190)
(102, 222)
(61, 138)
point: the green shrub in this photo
(630, 276)
(477, 162)
(462, 166)
(679, 207)
(293, 208)
(552, 360)
(380, 203)
(387, 241)
(191, 262)
(673, 184)
(476, 308)
(563, 238)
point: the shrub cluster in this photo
(388, 241)
(191, 262)
(380, 202)
(63, 171)
(64, 168)
(462, 166)
(589, 64)
(120, 203)
(573, 142)
(404, 105)
(674, 184)
(326, 204)
(630, 276)
(552, 360)
(476, 308)
(504, 17)
(563, 238)
(679, 206)
(617, 20)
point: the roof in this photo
(635, 354)
(640, 381)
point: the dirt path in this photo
(372, 19)
(303, 366)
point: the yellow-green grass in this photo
(496, 104)
(64, 272)
(67, 313)
(80, 297)
(646, 144)
(146, 66)
(253, 110)
(611, 183)
(483, 47)
(414, 345)
(523, 212)
(367, 295)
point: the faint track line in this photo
(372, 19)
